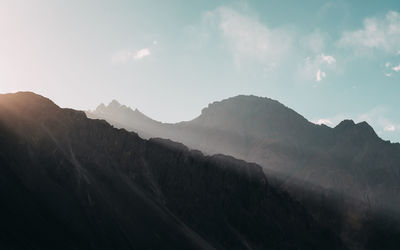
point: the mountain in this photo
(69, 182)
(349, 158)
(348, 168)
(120, 115)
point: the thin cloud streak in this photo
(124, 56)
(249, 40)
(377, 33)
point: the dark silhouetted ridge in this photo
(345, 124)
(69, 182)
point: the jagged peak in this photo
(101, 107)
(364, 124)
(114, 104)
(348, 123)
(115, 109)
(366, 128)
(362, 128)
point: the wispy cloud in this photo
(389, 128)
(320, 75)
(330, 121)
(323, 121)
(327, 59)
(248, 39)
(127, 55)
(140, 54)
(391, 67)
(396, 68)
(316, 67)
(278, 51)
(377, 33)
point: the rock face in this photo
(349, 164)
(68, 182)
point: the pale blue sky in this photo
(326, 60)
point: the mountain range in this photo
(348, 168)
(349, 158)
(69, 182)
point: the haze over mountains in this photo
(69, 182)
(232, 169)
(349, 165)
(349, 158)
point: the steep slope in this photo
(348, 168)
(68, 182)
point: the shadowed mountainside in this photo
(349, 158)
(349, 165)
(68, 182)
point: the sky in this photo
(327, 60)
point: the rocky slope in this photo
(349, 165)
(68, 182)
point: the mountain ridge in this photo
(85, 185)
(348, 164)
(272, 102)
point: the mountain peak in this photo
(101, 108)
(366, 129)
(251, 99)
(27, 101)
(361, 130)
(26, 95)
(114, 104)
(260, 116)
(121, 115)
(348, 123)
(242, 104)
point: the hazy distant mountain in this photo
(68, 182)
(345, 164)
(121, 115)
(350, 158)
